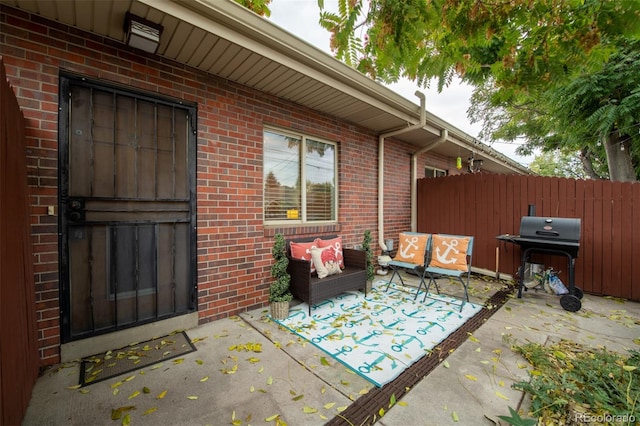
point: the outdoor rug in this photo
(383, 334)
(153, 352)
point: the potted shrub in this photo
(366, 246)
(279, 294)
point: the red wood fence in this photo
(487, 205)
(19, 360)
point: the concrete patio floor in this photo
(286, 382)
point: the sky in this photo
(300, 18)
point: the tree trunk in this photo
(587, 164)
(619, 159)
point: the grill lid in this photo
(550, 229)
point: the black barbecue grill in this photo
(554, 236)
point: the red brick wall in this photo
(234, 248)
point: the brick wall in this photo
(233, 248)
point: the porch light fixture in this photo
(141, 33)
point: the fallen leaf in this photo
(74, 387)
(130, 378)
(323, 361)
(149, 411)
(329, 405)
(272, 418)
(192, 397)
(126, 420)
(500, 395)
(297, 398)
(455, 417)
(309, 410)
(471, 377)
(116, 413)
(178, 361)
(161, 394)
(473, 338)
(134, 394)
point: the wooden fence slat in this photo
(634, 231)
(624, 232)
(581, 264)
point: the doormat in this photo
(382, 334)
(103, 366)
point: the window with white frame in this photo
(289, 160)
(433, 172)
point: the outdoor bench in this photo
(309, 288)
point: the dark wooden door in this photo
(127, 205)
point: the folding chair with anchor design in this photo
(411, 255)
(449, 256)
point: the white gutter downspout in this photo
(381, 138)
(444, 135)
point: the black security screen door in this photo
(127, 209)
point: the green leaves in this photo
(279, 289)
(516, 420)
(568, 377)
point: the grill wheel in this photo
(570, 303)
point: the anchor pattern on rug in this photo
(381, 335)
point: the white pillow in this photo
(325, 261)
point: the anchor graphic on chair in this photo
(450, 246)
(411, 245)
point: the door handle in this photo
(75, 210)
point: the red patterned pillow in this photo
(303, 251)
(325, 261)
(336, 247)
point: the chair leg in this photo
(422, 283)
(396, 271)
(431, 280)
(393, 274)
